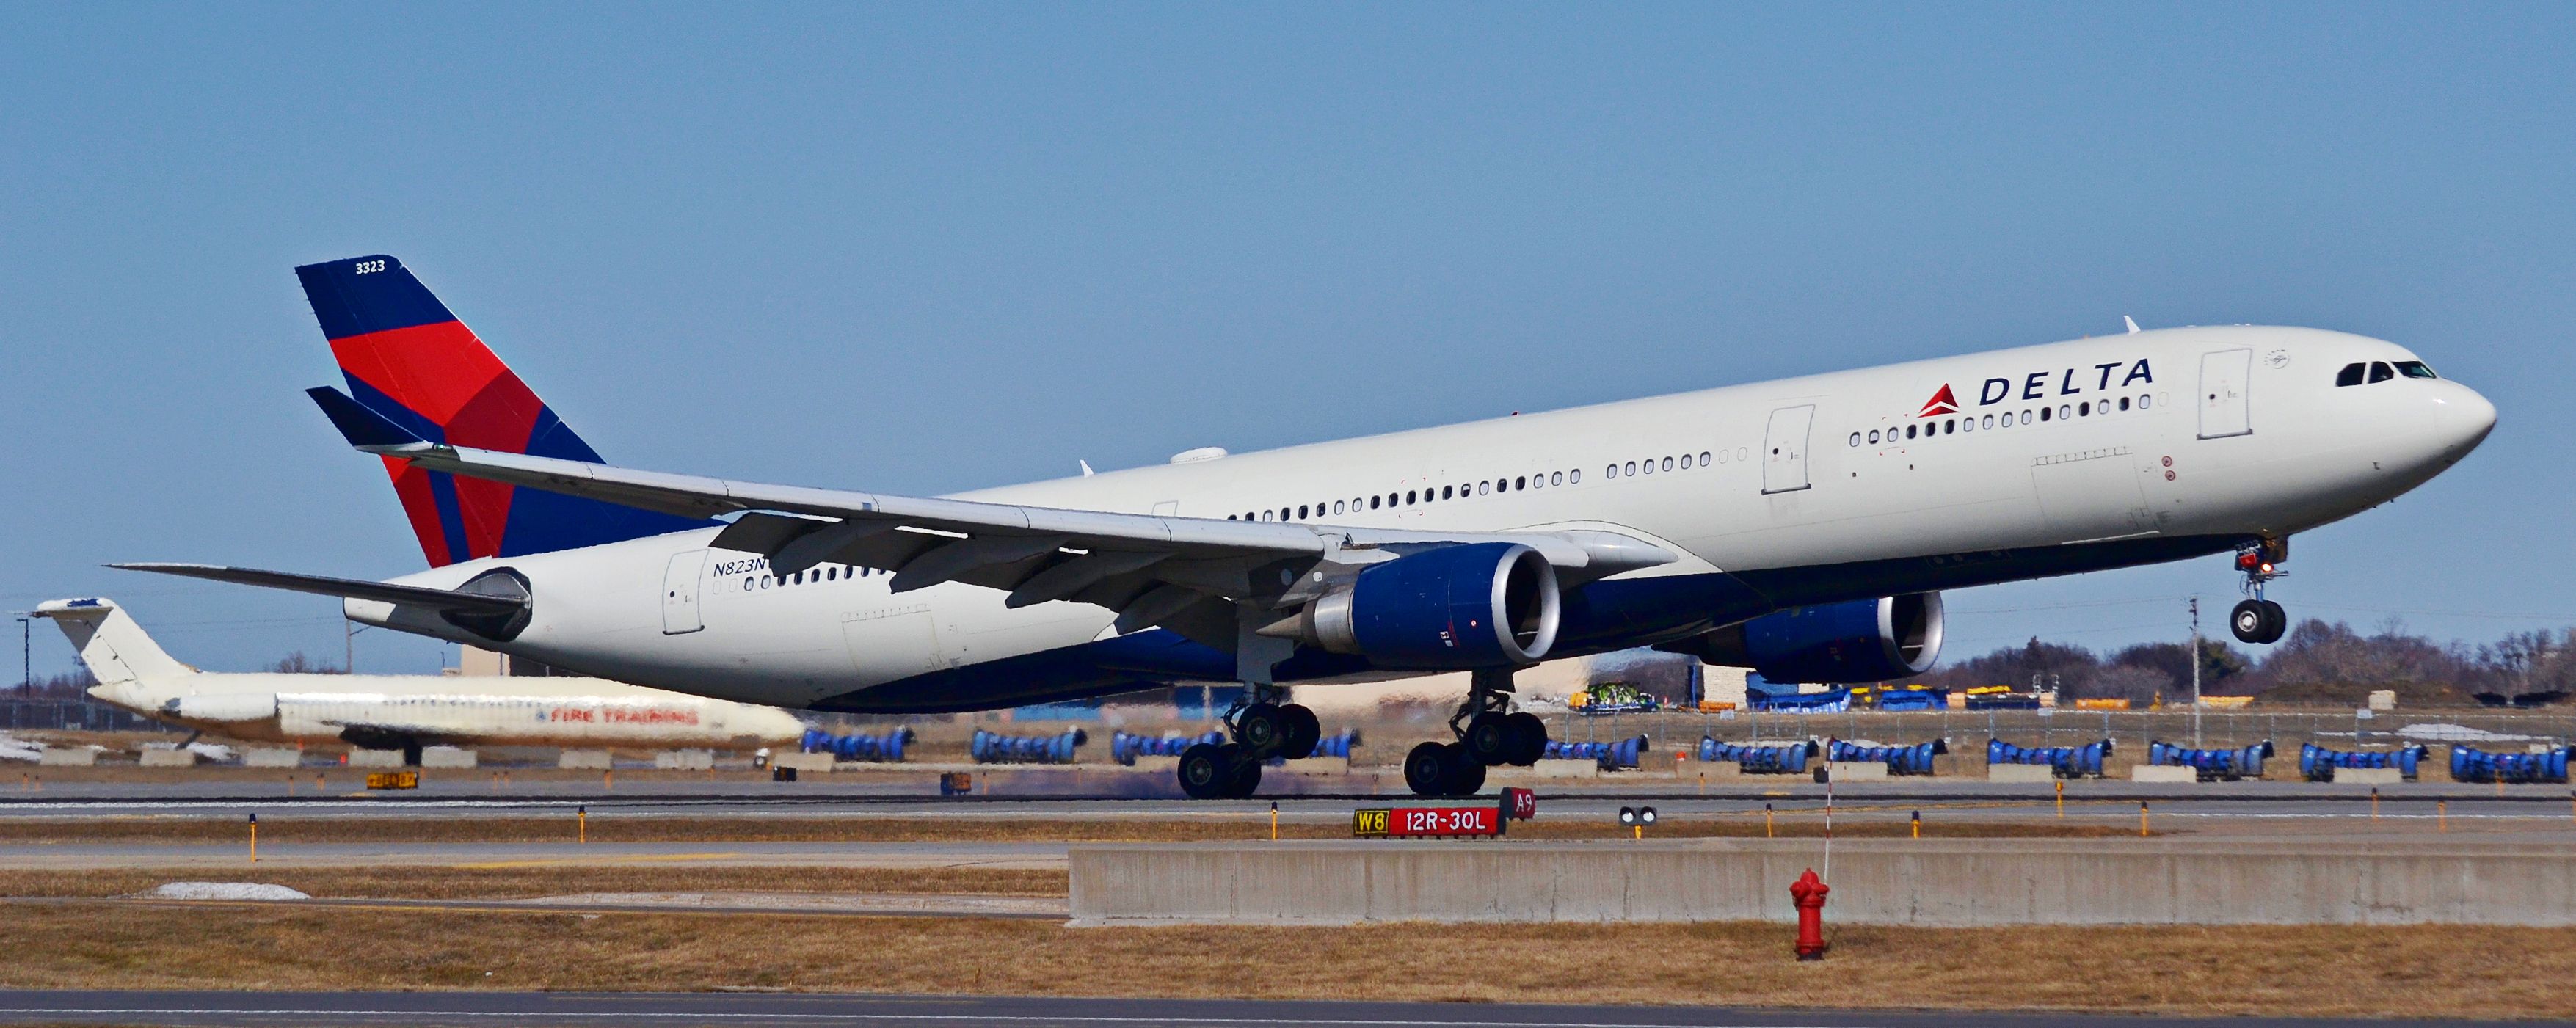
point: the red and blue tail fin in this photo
(411, 361)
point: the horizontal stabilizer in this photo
(358, 424)
(346, 588)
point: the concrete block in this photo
(272, 756)
(2368, 776)
(448, 756)
(2163, 773)
(1856, 771)
(1951, 883)
(585, 760)
(2024, 773)
(169, 758)
(375, 758)
(685, 760)
(1565, 769)
(1165, 765)
(804, 763)
(67, 756)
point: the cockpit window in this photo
(2380, 371)
(2415, 369)
(2350, 375)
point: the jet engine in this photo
(1858, 641)
(1467, 606)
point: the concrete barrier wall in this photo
(1934, 883)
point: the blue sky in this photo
(933, 248)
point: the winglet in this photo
(364, 428)
(2131, 322)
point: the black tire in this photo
(1203, 771)
(1259, 729)
(1303, 732)
(1465, 774)
(1247, 777)
(1426, 770)
(1489, 738)
(1529, 738)
(2276, 622)
(2248, 621)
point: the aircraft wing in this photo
(1151, 568)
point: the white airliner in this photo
(398, 712)
(1801, 527)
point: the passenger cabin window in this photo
(2350, 375)
(2381, 372)
(2415, 369)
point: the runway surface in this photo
(757, 1009)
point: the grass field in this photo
(278, 830)
(2410, 971)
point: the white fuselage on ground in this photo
(2067, 457)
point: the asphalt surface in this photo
(681, 1009)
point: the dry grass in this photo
(458, 883)
(279, 830)
(2413, 971)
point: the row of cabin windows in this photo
(1651, 464)
(811, 576)
(2381, 371)
(1971, 423)
(1411, 497)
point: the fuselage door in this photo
(2224, 376)
(1784, 449)
(680, 592)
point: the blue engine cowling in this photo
(1466, 606)
(1858, 641)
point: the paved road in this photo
(582, 1009)
(494, 855)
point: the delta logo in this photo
(2042, 385)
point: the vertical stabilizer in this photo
(109, 641)
(407, 358)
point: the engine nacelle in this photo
(239, 706)
(1470, 606)
(1858, 641)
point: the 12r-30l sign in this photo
(1427, 821)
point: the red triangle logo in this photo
(1941, 403)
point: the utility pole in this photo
(26, 654)
(2195, 672)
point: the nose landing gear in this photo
(2258, 620)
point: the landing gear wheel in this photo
(1247, 774)
(1488, 739)
(2276, 622)
(2249, 621)
(1259, 728)
(1204, 771)
(1426, 770)
(1464, 773)
(1302, 732)
(1528, 739)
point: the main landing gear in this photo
(1262, 727)
(1489, 733)
(2258, 620)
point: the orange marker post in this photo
(254, 838)
(2061, 798)
(1918, 824)
(2142, 819)
(581, 824)
(1766, 821)
(2374, 803)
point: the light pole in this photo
(26, 653)
(2195, 672)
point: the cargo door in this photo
(680, 580)
(1784, 449)
(892, 642)
(2224, 376)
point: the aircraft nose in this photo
(2463, 419)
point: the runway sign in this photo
(393, 780)
(1426, 822)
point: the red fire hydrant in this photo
(1809, 894)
